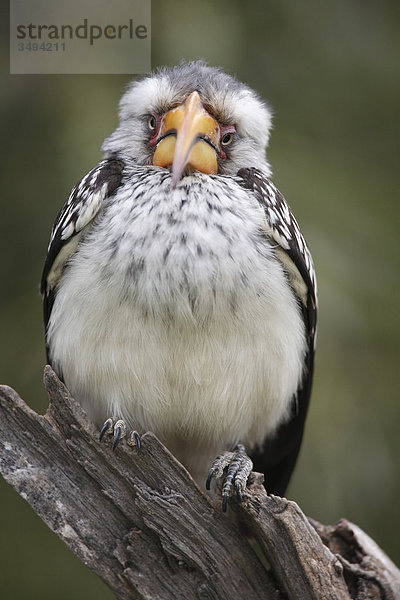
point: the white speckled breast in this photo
(176, 315)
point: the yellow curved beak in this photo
(189, 136)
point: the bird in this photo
(179, 293)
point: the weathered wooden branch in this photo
(142, 524)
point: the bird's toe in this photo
(108, 427)
(134, 441)
(118, 430)
(238, 467)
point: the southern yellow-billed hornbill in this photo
(179, 293)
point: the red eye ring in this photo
(226, 136)
(153, 126)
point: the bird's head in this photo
(192, 118)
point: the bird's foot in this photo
(239, 467)
(118, 430)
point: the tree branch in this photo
(142, 524)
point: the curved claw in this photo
(106, 427)
(134, 440)
(138, 442)
(117, 437)
(119, 433)
(209, 478)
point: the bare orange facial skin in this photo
(191, 138)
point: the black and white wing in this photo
(278, 456)
(82, 206)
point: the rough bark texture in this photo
(141, 523)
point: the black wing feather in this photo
(80, 209)
(277, 458)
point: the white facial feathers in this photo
(232, 102)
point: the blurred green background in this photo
(330, 70)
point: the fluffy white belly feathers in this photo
(178, 318)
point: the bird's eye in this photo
(151, 122)
(227, 139)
